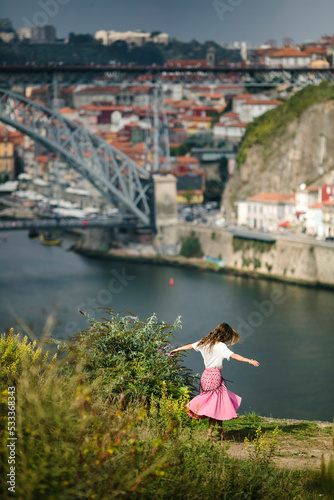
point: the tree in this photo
(147, 55)
(119, 51)
(223, 171)
(81, 39)
(189, 195)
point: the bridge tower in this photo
(157, 131)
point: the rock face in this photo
(304, 152)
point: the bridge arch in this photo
(116, 176)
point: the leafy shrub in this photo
(128, 355)
(257, 263)
(14, 351)
(261, 450)
(247, 244)
(165, 407)
(191, 248)
(246, 262)
(269, 267)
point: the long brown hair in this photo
(222, 333)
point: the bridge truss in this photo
(11, 75)
(118, 178)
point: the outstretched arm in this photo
(245, 360)
(183, 348)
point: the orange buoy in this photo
(171, 282)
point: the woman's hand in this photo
(173, 352)
(254, 362)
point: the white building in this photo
(24, 33)
(288, 57)
(328, 210)
(238, 100)
(252, 108)
(230, 131)
(266, 210)
(311, 195)
(315, 220)
(7, 37)
(137, 37)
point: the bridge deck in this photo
(48, 223)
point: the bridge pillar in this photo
(165, 213)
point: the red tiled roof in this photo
(68, 90)
(263, 102)
(200, 88)
(313, 49)
(187, 159)
(241, 125)
(142, 88)
(273, 197)
(289, 52)
(315, 205)
(99, 90)
(213, 96)
(187, 118)
(203, 108)
(65, 110)
(242, 96)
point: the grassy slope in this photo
(267, 127)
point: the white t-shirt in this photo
(213, 356)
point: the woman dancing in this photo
(215, 401)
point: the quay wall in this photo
(302, 261)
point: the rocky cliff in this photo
(297, 152)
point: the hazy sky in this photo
(254, 21)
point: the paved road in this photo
(244, 232)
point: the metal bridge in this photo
(31, 74)
(118, 178)
(66, 223)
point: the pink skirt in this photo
(215, 400)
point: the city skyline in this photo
(223, 21)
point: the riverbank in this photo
(301, 445)
(195, 264)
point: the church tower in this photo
(211, 57)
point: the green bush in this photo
(247, 244)
(128, 355)
(15, 350)
(246, 262)
(257, 263)
(191, 248)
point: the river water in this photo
(288, 329)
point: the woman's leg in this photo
(220, 432)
